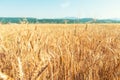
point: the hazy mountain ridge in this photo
(69, 20)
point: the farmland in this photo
(60, 51)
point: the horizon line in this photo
(56, 17)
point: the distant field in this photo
(60, 52)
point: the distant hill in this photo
(69, 20)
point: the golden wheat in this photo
(60, 52)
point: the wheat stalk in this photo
(21, 73)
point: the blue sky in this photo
(60, 8)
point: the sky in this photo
(60, 8)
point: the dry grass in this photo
(60, 52)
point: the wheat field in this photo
(60, 52)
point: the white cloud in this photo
(65, 4)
